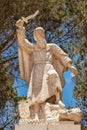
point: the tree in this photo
(79, 52)
(7, 93)
(7, 116)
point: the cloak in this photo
(60, 62)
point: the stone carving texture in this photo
(42, 66)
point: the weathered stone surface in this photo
(31, 127)
(56, 113)
(65, 125)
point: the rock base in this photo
(62, 125)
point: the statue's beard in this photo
(42, 44)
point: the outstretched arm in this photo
(22, 41)
(63, 58)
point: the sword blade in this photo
(32, 16)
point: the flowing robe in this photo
(42, 69)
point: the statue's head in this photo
(39, 37)
(39, 34)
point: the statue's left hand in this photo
(74, 70)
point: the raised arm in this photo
(22, 41)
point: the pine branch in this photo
(6, 47)
(8, 60)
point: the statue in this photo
(41, 66)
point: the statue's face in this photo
(39, 34)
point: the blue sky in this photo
(68, 98)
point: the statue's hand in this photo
(74, 70)
(20, 23)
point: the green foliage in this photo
(79, 52)
(83, 128)
(7, 93)
(80, 91)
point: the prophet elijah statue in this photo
(42, 66)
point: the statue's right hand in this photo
(20, 23)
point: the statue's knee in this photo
(52, 74)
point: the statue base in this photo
(61, 125)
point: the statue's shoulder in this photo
(50, 45)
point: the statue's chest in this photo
(42, 55)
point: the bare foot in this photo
(36, 119)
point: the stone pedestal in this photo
(62, 125)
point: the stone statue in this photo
(41, 66)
